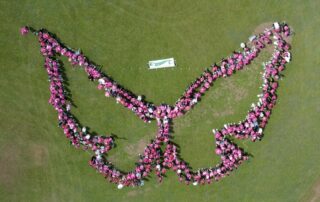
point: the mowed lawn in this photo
(37, 162)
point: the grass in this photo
(36, 161)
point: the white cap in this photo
(242, 45)
(101, 81)
(120, 186)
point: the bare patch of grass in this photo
(39, 154)
(315, 194)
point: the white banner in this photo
(163, 63)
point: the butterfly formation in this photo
(162, 154)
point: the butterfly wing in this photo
(254, 123)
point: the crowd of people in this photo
(154, 158)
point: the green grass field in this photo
(38, 164)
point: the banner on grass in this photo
(163, 63)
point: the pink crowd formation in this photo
(154, 158)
